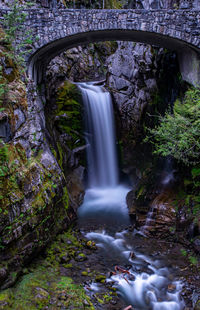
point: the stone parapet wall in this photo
(49, 25)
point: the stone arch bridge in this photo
(57, 30)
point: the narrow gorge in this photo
(99, 167)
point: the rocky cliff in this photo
(34, 199)
(42, 153)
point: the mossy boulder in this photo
(5, 300)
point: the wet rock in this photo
(130, 198)
(19, 118)
(3, 275)
(62, 295)
(197, 306)
(80, 63)
(161, 218)
(65, 259)
(100, 278)
(91, 245)
(171, 287)
(42, 296)
(132, 255)
(75, 182)
(11, 279)
(133, 80)
(81, 257)
(196, 300)
(196, 244)
(5, 130)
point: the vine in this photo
(15, 50)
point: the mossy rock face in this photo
(43, 285)
(106, 48)
(68, 118)
(34, 200)
(41, 298)
(5, 300)
(10, 71)
(25, 181)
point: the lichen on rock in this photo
(34, 198)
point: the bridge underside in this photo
(188, 56)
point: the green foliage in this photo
(4, 155)
(183, 252)
(15, 51)
(65, 198)
(14, 27)
(193, 260)
(3, 87)
(195, 172)
(178, 133)
(69, 114)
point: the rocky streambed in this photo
(76, 273)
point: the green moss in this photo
(107, 298)
(68, 265)
(43, 283)
(37, 288)
(60, 152)
(12, 161)
(100, 278)
(91, 245)
(65, 243)
(65, 198)
(69, 115)
(156, 99)
(140, 192)
(5, 300)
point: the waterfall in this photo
(146, 284)
(100, 136)
(104, 198)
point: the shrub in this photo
(178, 133)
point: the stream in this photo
(142, 281)
(102, 262)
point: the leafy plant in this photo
(4, 154)
(14, 28)
(193, 260)
(3, 87)
(178, 133)
(183, 252)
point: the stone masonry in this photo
(57, 30)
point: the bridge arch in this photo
(188, 56)
(57, 31)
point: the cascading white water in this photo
(147, 284)
(100, 136)
(104, 196)
(105, 199)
